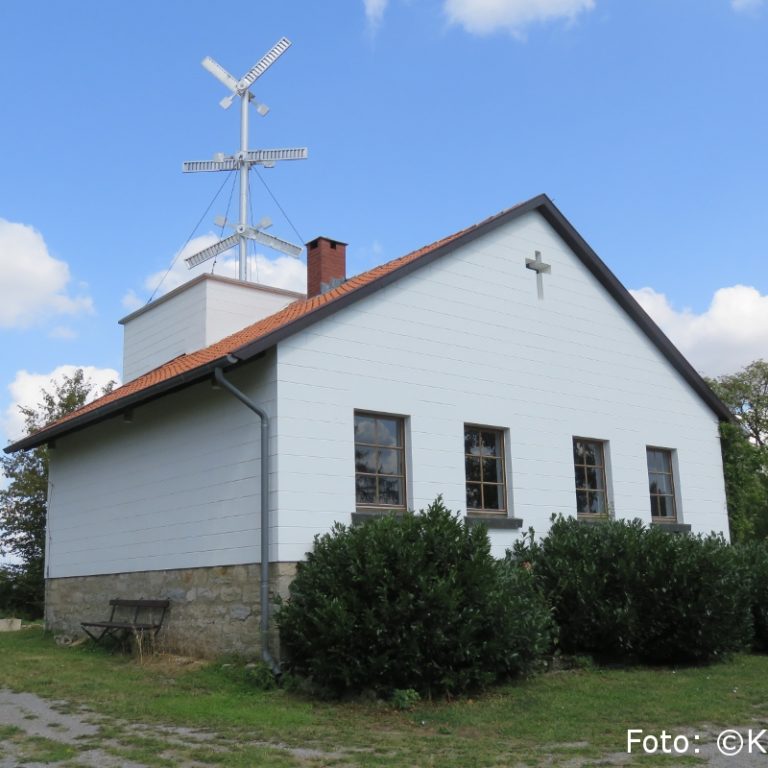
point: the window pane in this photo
(663, 483)
(472, 441)
(491, 497)
(365, 487)
(391, 491)
(490, 443)
(595, 478)
(492, 471)
(365, 459)
(659, 461)
(484, 468)
(666, 507)
(472, 465)
(589, 471)
(588, 452)
(390, 461)
(473, 496)
(379, 460)
(388, 432)
(365, 429)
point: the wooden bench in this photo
(120, 627)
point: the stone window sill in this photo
(596, 520)
(490, 521)
(361, 515)
(672, 527)
(508, 523)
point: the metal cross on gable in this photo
(540, 268)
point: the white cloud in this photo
(63, 332)
(131, 301)
(34, 284)
(374, 11)
(280, 272)
(26, 387)
(481, 17)
(746, 5)
(732, 332)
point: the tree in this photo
(23, 503)
(745, 449)
(746, 395)
(745, 466)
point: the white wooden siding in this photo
(230, 307)
(463, 340)
(179, 487)
(193, 316)
(466, 340)
(173, 327)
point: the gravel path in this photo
(53, 720)
(41, 718)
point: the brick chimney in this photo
(326, 265)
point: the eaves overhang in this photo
(358, 288)
(123, 405)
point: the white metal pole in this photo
(243, 184)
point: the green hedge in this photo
(622, 591)
(754, 560)
(411, 602)
(21, 592)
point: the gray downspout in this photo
(245, 400)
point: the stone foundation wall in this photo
(213, 611)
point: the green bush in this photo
(754, 559)
(21, 592)
(405, 699)
(622, 591)
(696, 606)
(410, 602)
(588, 574)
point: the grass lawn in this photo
(546, 720)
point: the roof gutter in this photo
(218, 374)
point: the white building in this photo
(504, 367)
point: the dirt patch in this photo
(170, 665)
(40, 721)
(38, 717)
(34, 726)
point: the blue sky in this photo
(645, 120)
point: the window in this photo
(661, 485)
(589, 465)
(379, 460)
(484, 469)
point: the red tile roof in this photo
(263, 334)
(186, 364)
